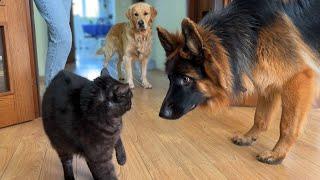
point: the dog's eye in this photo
(136, 14)
(145, 13)
(186, 80)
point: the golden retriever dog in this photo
(131, 41)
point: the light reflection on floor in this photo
(90, 66)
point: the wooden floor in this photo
(195, 147)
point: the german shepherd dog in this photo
(271, 46)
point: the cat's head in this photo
(106, 95)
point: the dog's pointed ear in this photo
(166, 40)
(104, 72)
(193, 39)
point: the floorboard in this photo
(196, 147)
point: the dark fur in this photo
(270, 46)
(84, 117)
(238, 27)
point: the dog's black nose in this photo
(141, 23)
(166, 111)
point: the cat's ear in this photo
(105, 73)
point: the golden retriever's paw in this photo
(270, 157)
(241, 140)
(121, 78)
(146, 85)
(131, 85)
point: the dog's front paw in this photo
(131, 85)
(121, 78)
(146, 85)
(270, 157)
(241, 140)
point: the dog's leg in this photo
(119, 65)
(66, 160)
(265, 111)
(128, 63)
(297, 96)
(120, 152)
(144, 68)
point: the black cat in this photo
(84, 117)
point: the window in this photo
(4, 85)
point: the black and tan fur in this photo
(268, 46)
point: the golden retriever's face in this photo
(141, 15)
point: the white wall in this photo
(121, 9)
(41, 40)
(170, 15)
(42, 31)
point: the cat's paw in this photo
(270, 157)
(121, 156)
(121, 160)
(241, 140)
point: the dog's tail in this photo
(100, 51)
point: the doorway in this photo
(92, 19)
(198, 9)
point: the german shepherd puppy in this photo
(271, 46)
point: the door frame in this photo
(33, 55)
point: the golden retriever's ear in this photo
(129, 13)
(154, 12)
(193, 39)
(166, 40)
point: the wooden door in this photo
(198, 9)
(18, 86)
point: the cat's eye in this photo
(122, 96)
(136, 14)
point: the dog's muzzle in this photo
(141, 24)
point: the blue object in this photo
(96, 30)
(57, 16)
